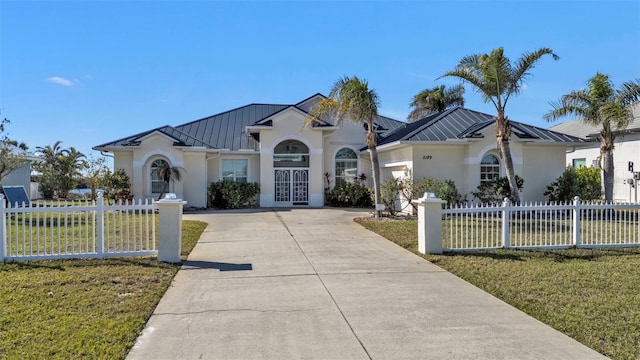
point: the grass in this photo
(69, 309)
(590, 295)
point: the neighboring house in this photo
(267, 143)
(21, 176)
(627, 149)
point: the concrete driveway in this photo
(312, 284)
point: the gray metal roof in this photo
(460, 123)
(580, 129)
(227, 130)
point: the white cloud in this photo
(60, 81)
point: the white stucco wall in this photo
(542, 165)
(626, 149)
(194, 179)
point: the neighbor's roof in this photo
(227, 130)
(580, 129)
(459, 123)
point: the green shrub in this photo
(225, 194)
(496, 190)
(389, 192)
(405, 190)
(351, 195)
(583, 182)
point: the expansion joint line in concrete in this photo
(322, 282)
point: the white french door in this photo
(291, 187)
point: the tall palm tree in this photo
(437, 99)
(351, 99)
(600, 104)
(168, 173)
(498, 79)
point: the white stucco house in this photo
(267, 143)
(627, 149)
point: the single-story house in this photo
(267, 143)
(626, 150)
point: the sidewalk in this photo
(312, 284)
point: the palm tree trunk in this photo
(164, 189)
(375, 165)
(505, 153)
(607, 170)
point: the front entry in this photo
(291, 173)
(291, 187)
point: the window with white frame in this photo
(346, 166)
(489, 168)
(157, 183)
(235, 170)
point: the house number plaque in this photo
(427, 157)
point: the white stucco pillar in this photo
(170, 230)
(429, 224)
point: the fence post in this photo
(429, 224)
(170, 230)
(506, 217)
(100, 224)
(3, 229)
(576, 221)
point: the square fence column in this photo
(429, 224)
(170, 230)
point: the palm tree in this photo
(69, 164)
(497, 79)
(606, 107)
(351, 99)
(429, 101)
(168, 174)
(51, 153)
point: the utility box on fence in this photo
(170, 231)
(429, 224)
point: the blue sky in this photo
(88, 72)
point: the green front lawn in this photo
(590, 295)
(94, 309)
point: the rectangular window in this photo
(235, 170)
(579, 163)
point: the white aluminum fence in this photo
(56, 230)
(541, 226)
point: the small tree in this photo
(168, 174)
(496, 190)
(116, 184)
(95, 171)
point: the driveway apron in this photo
(312, 284)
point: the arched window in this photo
(291, 153)
(157, 184)
(346, 166)
(489, 168)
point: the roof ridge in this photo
(228, 111)
(134, 136)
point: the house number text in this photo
(427, 157)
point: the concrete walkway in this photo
(312, 284)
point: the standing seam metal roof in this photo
(227, 130)
(460, 123)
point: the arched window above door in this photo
(291, 153)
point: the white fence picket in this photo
(57, 231)
(540, 226)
